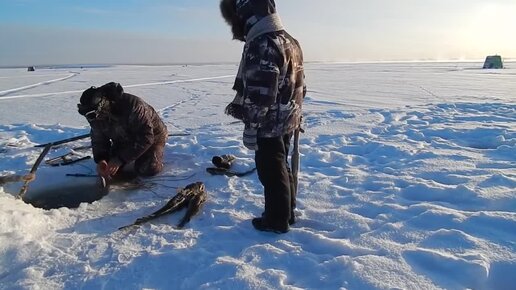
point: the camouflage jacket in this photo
(130, 128)
(270, 83)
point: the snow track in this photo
(6, 92)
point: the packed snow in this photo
(407, 181)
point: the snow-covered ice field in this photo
(408, 177)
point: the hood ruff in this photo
(270, 23)
(252, 11)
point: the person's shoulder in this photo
(291, 40)
(125, 105)
(131, 100)
(268, 44)
(128, 97)
(267, 39)
(138, 103)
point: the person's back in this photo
(131, 121)
(285, 56)
(124, 129)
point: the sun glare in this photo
(489, 28)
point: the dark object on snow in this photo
(223, 166)
(228, 172)
(223, 161)
(31, 68)
(493, 62)
(192, 197)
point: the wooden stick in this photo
(295, 160)
(25, 186)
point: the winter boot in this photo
(262, 225)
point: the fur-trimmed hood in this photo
(251, 11)
(242, 15)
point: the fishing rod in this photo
(84, 136)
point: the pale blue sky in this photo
(184, 31)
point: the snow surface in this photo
(408, 177)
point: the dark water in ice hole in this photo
(70, 196)
(74, 192)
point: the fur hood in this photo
(251, 11)
(242, 15)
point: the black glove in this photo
(223, 161)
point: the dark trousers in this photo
(274, 173)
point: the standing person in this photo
(269, 94)
(124, 130)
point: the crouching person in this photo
(124, 131)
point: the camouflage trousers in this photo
(150, 163)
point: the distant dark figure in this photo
(270, 90)
(124, 130)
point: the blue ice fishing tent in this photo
(493, 61)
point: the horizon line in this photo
(98, 65)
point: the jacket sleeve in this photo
(101, 145)
(261, 79)
(141, 132)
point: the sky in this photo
(37, 32)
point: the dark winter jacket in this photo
(270, 82)
(129, 129)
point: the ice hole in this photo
(69, 194)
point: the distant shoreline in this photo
(61, 66)
(82, 66)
